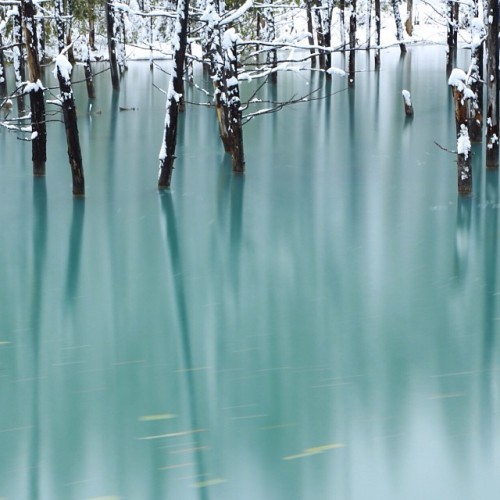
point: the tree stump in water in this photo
(461, 93)
(407, 102)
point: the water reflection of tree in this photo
(180, 297)
(40, 230)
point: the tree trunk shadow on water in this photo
(40, 230)
(172, 244)
(490, 314)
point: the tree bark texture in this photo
(399, 26)
(269, 36)
(3, 81)
(409, 17)
(110, 27)
(60, 24)
(18, 58)
(37, 101)
(451, 36)
(71, 127)
(89, 76)
(377, 29)
(310, 30)
(174, 96)
(464, 166)
(352, 45)
(492, 74)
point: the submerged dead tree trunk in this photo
(3, 80)
(18, 58)
(174, 96)
(269, 35)
(476, 79)
(352, 45)
(492, 74)
(35, 89)
(377, 34)
(63, 71)
(310, 30)
(231, 101)
(461, 93)
(112, 43)
(399, 26)
(60, 24)
(89, 75)
(452, 32)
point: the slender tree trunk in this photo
(92, 33)
(319, 32)
(89, 76)
(409, 17)
(476, 77)
(369, 24)
(352, 45)
(38, 126)
(70, 124)
(18, 58)
(269, 36)
(233, 105)
(60, 24)
(399, 26)
(110, 24)
(451, 38)
(310, 29)
(457, 81)
(492, 60)
(174, 97)
(378, 29)
(69, 42)
(3, 81)
(40, 27)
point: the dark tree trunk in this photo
(269, 36)
(71, 125)
(92, 33)
(451, 36)
(319, 33)
(352, 45)
(41, 39)
(18, 57)
(3, 81)
(60, 25)
(492, 60)
(38, 125)
(89, 76)
(233, 112)
(69, 43)
(476, 112)
(464, 166)
(174, 97)
(377, 28)
(110, 25)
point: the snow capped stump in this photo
(407, 102)
(461, 92)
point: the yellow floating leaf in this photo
(209, 482)
(325, 447)
(159, 416)
(301, 455)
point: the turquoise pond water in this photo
(323, 327)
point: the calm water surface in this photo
(324, 327)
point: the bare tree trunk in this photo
(269, 36)
(378, 29)
(89, 76)
(40, 27)
(368, 24)
(399, 26)
(409, 17)
(92, 33)
(3, 81)
(233, 111)
(352, 45)
(476, 77)
(70, 124)
(18, 58)
(110, 24)
(492, 60)
(38, 125)
(60, 24)
(310, 29)
(451, 34)
(319, 32)
(174, 97)
(457, 81)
